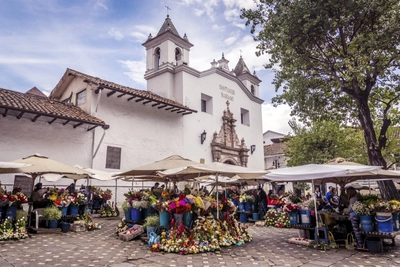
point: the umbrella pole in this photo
(132, 184)
(315, 203)
(116, 187)
(216, 179)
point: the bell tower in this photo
(164, 53)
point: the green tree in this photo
(323, 141)
(337, 60)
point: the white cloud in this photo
(135, 71)
(140, 37)
(198, 12)
(230, 40)
(231, 14)
(217, 27)
(99, 4)
(276, 118)
(117, 35)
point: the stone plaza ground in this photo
(103, 248)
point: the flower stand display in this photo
(207, 235)
(384, 222)
(63, 211)
(13, 230)
(277, 218)
(109, 210)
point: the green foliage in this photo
(334, 60)
(302, 186)
(324, 141)
(125, 206)
(52, 213)
(21, 215)
(153, 220)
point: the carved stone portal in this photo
(225, 146)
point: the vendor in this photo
(71, 188)
(38, 196)
(262, 201)
(355, 221)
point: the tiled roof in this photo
(138, 95)
(168, 26)
(241, 67)
(20, 104)
(274, 149)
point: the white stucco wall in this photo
(144, 133)
(21, 138)
(268, 135)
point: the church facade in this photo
(206, 116)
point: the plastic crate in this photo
(131, 233)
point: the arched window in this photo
(178, 54)
(157, 55)
(253, 91)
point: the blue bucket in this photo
(235, 202)
(73, 209)
(53, 224)
(305, 217)
(128, 215)
(367, 223)
(136, 214)
(247, 206)
(243, 217)
(256, 216)
(63, 211)
(11, 212)
(294, 217)
(164, 218)
(188, 219)
(396, 226)
(384, 222)
(241, 206)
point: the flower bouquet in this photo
(362, 209)
(17, 198)
(290, 207)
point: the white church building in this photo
(205, 116)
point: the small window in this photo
(113, 157)
(81, 97)
(178, 54)
(253, 91)
(206, 104)
(244, 116)
(157, 56)
(203, 106)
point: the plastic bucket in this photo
(63, 211)
(293, 217)
(384, 222)
(64, 227)
(243, 217)
(247, 206)
(256, 216)
(374, 246)
(367, 223)
(188, 219)
(396, 222)
(73, 209)
(53, 224)
(128, 215)
(11, 212)
(235, 202)
(241, 206)
(305, 217)
(164, 218)
(136, 214)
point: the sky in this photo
(39, 40)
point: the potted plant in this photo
(151, 223)
(52, 214)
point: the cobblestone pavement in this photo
(103, 248)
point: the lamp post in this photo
(203, 136)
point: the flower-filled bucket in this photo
(243, 217)
(188, 219)
(396, 226)
(241, 206)
(73, 209)
(178, 219)
(247, 206)
(305, 217)
(294, 217)
(164, 218)
(367, 223)
(384, 222)
(11, 212)
(128, 215)
(63, 211)
(53, 224)
(136, 214)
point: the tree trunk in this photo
(387, 188)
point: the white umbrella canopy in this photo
(11, 167)
(42, 165)
(91, 174)
(215, 168)
(174, 161)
